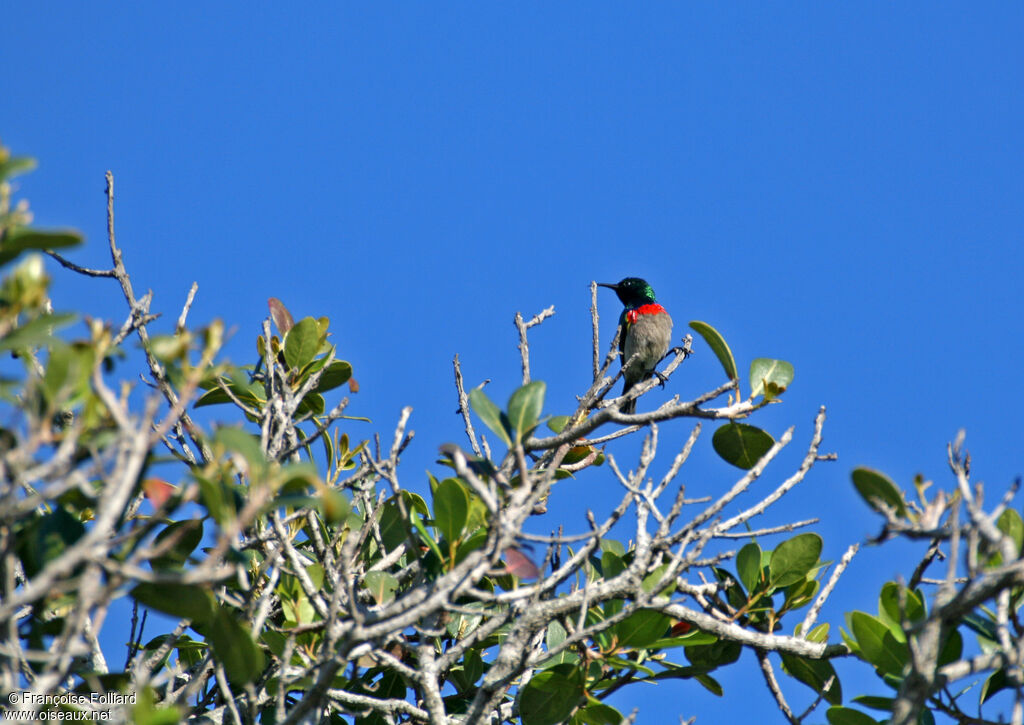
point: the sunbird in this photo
(646, 332)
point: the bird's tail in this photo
(629, 407)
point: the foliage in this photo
(304, 582)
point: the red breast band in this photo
(651, 309)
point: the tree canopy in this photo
(305, 583)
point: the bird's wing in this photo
(624, 324)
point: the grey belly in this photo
(650, 338)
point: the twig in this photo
(783, 529)
(321, 427)
(180, 326)
(812, 614)
(464, 407)
(524, 347)
(595, 331)
(773, 686)
(68, 264)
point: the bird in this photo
(646, 332)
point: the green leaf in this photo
(615, 547)
(302, 343)
(654, 578)
(839, 715)
(1010, 523)
(769, 377)
(235, 648)
(875, 702)
(252, 394)
(889, 607)
(877, 644)
(952, 648)
(335, 506)
(848, 639)
(710, 656)
(323, 323)
(815, 674)
(312, 403)
(710, 684)
(460, 624)
(524, 407)
(381, 585)
(800, 594)
(554, 636)
(14, 165)
(245, 444)
(734, 593)
(333, 376)
(315, 366)
(275, 641)
(489, 413)
(623, 663)
(390, 686)
(451, 509)
(550, 697)
(693, 637)
(996, 681)
(471, 671)
(186, 601)
(983, 626)
(793, 559)
(818, 634)
(597, 713)
(186, 535)
(675, 672)
(557, 423)
(875, 488)
(718, 345)
(315, 572)
(414, 519)
(748, 566)
(393, 528)
(35, 333)
(58, 531)
(471, 544)
(611, 564)
(213, 494)
(641, 628)
(47, 537)
(740, 444)
(59, 367)
(20, 240)
(144, 711)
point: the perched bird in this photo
(646, 332)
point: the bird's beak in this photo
(609, 286)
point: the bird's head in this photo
(632, 291)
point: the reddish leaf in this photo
(681, 628)
(353, 386)
(157, 491)
(280, 314)
(518, 564)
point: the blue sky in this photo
(837, 185)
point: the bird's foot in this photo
(683, 350)
(661, 379)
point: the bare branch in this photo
(524, 347)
